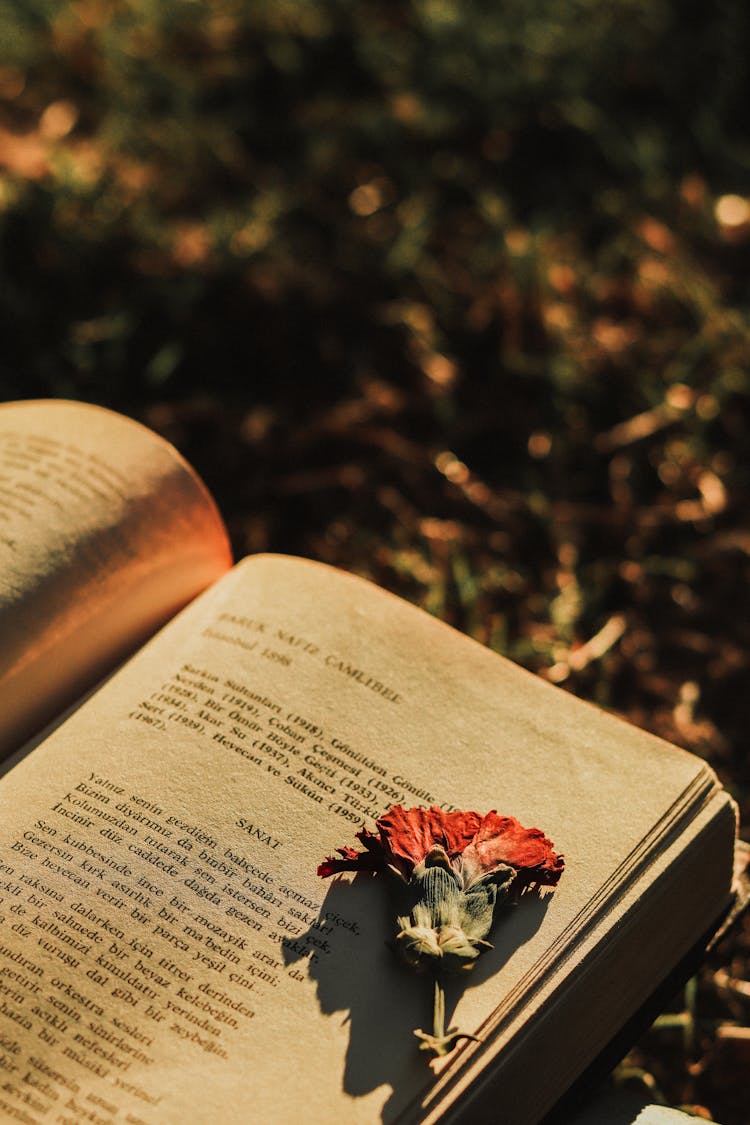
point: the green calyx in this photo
(446, 926)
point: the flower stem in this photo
(441, 1042)
(438, 1011)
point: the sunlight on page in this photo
(105, 532)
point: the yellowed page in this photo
(105, 532)
(168, 952)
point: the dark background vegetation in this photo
(447, 293)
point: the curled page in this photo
(105, 532)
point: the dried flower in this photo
(455, 868)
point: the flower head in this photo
(454, 868)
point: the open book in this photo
(167, 953)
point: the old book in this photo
(167, 952)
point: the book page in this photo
(105, 532)
(168, 953)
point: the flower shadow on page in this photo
(381, 999)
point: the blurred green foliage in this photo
(452, 295)
(326, 157)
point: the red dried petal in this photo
(408, 834)
(371, 859)
(479, 845)
(331, 865)
(504, 840)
